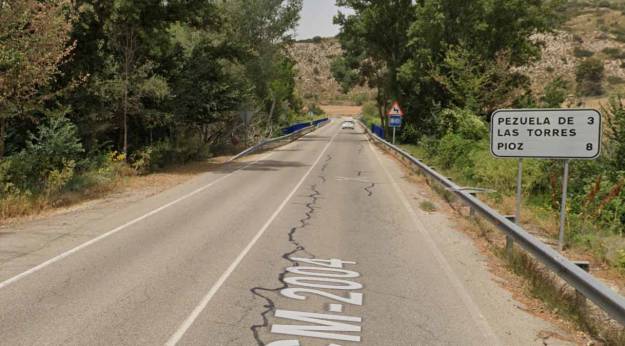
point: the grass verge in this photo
(560, 298)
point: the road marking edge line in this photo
(188, 322)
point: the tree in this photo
(34, 42)
(589, 77)
(475, 43)
(208, 88)
(145, 70)
(264, 28)
(556, 93)
(138, 34)
(375, 41)
(436, 54)
(615, 114)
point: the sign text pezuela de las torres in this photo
(546, 133)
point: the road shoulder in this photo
(514, 317)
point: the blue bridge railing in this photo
(297, 127)
(377, 130)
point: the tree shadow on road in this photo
(314, 138)
(261, 165)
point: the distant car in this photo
(349, 124)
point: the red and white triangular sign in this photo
(395, 110)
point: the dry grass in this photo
(592, 19)
(338, 110)
(539, 283)
(13, 207)
(23, 205)
(428, 206)
(561, 299)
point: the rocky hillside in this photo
(590, 31)
(314, 81)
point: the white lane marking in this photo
(285, 343)
(126, 225)
(327, 326)
(336, 308)
(353, 179)
(331, 263)
(213, 290)
(473, 309)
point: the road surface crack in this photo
(298, 248)
(369, 189)
(326, 163)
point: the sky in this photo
(316, 19)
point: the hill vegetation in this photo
(591, 34)
(314, 82)
(450, 64)
(586, 29)
(94, 90)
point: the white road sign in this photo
(546, 133)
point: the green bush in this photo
(615, 80)
(50, 154)
(409, 133)
(360, 99)
(164, 153)
(462, 122)
(589, 75)
(58, 179)
(500, 174)
(556, 92)
(454, 151)
(582, 53)
(370, 113)
(614, 53)
(315, 109)
(615, 114)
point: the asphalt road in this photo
(315, 243)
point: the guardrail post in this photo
(471, 210)
(509, 240)
(580, 299)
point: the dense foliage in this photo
(156, 81)
(435, 54)
(450, 64)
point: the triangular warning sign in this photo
(395, 110)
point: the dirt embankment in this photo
(339, 110)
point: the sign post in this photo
(517, 212)
(565, 185)
(395, 115)
(563, 134)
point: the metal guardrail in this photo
(291, 136)
(596, 291)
